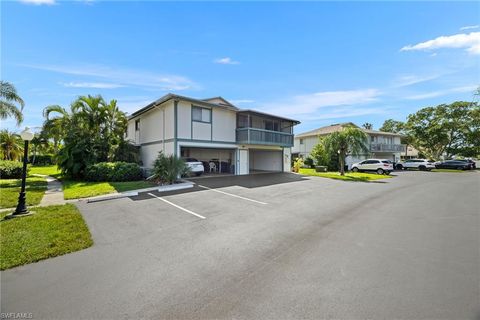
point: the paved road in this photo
(407, 248)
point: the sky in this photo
(318, 62)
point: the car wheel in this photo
(459, 168)
(355, 169)
(380, 171)
(198, 174)
(405, 168)
(399, 167)
(422, 168)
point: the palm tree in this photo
(367, 125)
(8, 98)
(55, 127)
(11, 145)
(350, 140)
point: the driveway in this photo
(270, 246)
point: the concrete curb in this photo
(133, 193)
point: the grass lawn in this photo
(349, 176)
(52, 171)
(50, 232)
(80, 189)
(9, 189)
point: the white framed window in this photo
(201, 114)
(137, 125)
(301, 141)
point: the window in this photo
(137, 125)
(201, 114)
(272, 125)
(301, 141)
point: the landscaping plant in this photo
(169, 168)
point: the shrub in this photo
(308, 162)
(44, 159)
(169, 168)
(11, 169)
(297, 164)
(113, 171)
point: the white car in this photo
(380, 166)
(196, 167)
(420, 164)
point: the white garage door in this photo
(266, 160)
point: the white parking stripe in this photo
(177, 206)
(231, 195)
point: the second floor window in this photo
(137, 125)
(201, 114)
(301, 141)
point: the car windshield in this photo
(386, 161)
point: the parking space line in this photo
(177, 206)
(232, 195)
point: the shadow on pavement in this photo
(246, 181)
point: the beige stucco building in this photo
(240, 141)
(381, 145)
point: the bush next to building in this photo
(113, 171)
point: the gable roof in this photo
(219, 100)
(338, 127)
(170, 96)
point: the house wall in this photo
(307, 146)
(149, 152)
(224, 125)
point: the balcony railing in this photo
(261, 136)
(384, 147)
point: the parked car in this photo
(380, 166)
(420, 164)
(454, 164)
(196, 167)
(472, 163)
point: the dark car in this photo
(454, 164)
(472, 163)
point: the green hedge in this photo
(11, 169)
(113, 171)
(44, 159)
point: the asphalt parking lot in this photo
(270, 246)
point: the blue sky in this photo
(318, 62)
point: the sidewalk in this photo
(54, 193)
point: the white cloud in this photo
(310, 103)
(469, 41)
(38, 2)
(226, 60)
(125, 77)
(98, 85)
(408, 80)
(469, 27)
(345, 113)
(439, 93)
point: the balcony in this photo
(265, 137)
(383, 147)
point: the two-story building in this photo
(381, 145)
(239, 141)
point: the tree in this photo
(91, 131)
(393, 126)
(350, 140)
(11, 145)
(323, 157)
(367, 125)
(447, 129)
(8, 99)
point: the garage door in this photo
(266, 160)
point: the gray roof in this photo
(170, 96)
(205, 102)
(338, 127)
